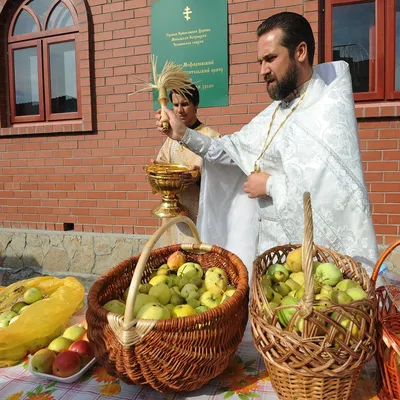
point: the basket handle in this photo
(381, 260)
(141, 264)
(306, 303)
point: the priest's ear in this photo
(301, 52)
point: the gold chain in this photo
(268, 143)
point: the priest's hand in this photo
(256, 185)
(177, 128)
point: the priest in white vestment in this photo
(306, 140)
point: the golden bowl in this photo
(166, 180)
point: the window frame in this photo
(381, 68)
(25, 45)
(50, 116)
(42, 40)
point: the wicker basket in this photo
(325, 360)
(388, 343)
(173, 355)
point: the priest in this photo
(305, 141)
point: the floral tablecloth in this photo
(245, 378)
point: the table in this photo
(245, 378)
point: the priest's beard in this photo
(286, 85)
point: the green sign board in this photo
(194, 34)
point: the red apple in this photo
(84, 349)
(66, 364)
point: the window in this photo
(43, 62)
(366, 34)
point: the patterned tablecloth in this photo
(245, 378)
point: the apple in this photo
(42, 361)
(356, 293)
(66, 364)
(282, 288)
(175, 260)
(115, 306)
(278, 273)
(84, 349)
(298, 277)
(60, 344)
(190, 270)
(143, 288)
(228, 294)
(170, 307)
(340, 297)
(163, 270)
(189, 287)
(197, 281)
(141, 300)
(193, 303)
(201, 309)
(285, 315)
(184, 310)
(74, 332)
(346, 284)
(153, 311)
(294, 260)
(13, 319)
(162, 292)
(328, 274)
(17, 306)
(216, 280)
(172, 280)
(23, 309)
(4, 323)
(210, 299)
(32, 295)
(292, 284)
(156, 280)
(7, 316)
(176, 300)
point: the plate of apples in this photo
(66, 358)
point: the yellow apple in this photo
(190, 270)
(60, 344)
(158, 279)
(141, 300)
(184, 310)
(216, 280)
(74, 332)
(228, 294)
(210, 299)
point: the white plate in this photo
(70, 379)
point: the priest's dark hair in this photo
(295, 28)
(191, 93)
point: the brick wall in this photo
(95, 179)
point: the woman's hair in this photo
(295, 29)
(191, 93)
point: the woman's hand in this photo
(187, 177)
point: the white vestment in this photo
(316, 150)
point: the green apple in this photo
(141, 300)
(194, 294)
(162, 292)
(74, 332)
(216, 280)
(175, 290)
(328, 274)
(7, 315)
(42, 361)
(17, 306)
(193, 303)
(201, 290)
(13, 319)
(172, 280)
(340, 297)
(4, 323)
(190, 270)
(163, 270)
(182, 281)
(184, 310)
(281, 288)
(201, 309)
(298, 277)
(268, 291)
(170, 307)
(197, 281)
(326, 291)
(153, 311)
(292, 284)
(356, 293)
(278, 273)
(145, 288)
(60, 344)
(115, 306)
(158, 279)
(23, 309)
(176, 300)
(346, 284)
(32, 295)
(285, 315)
(228, 294)
(189, 287)
(210, 299)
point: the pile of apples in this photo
(283, 285)
(31, 295)
(177, 289)
(65, 355)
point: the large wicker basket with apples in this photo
(172, 345)
(312, 313)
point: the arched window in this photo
(43, 62)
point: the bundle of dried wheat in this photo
(170, 78)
